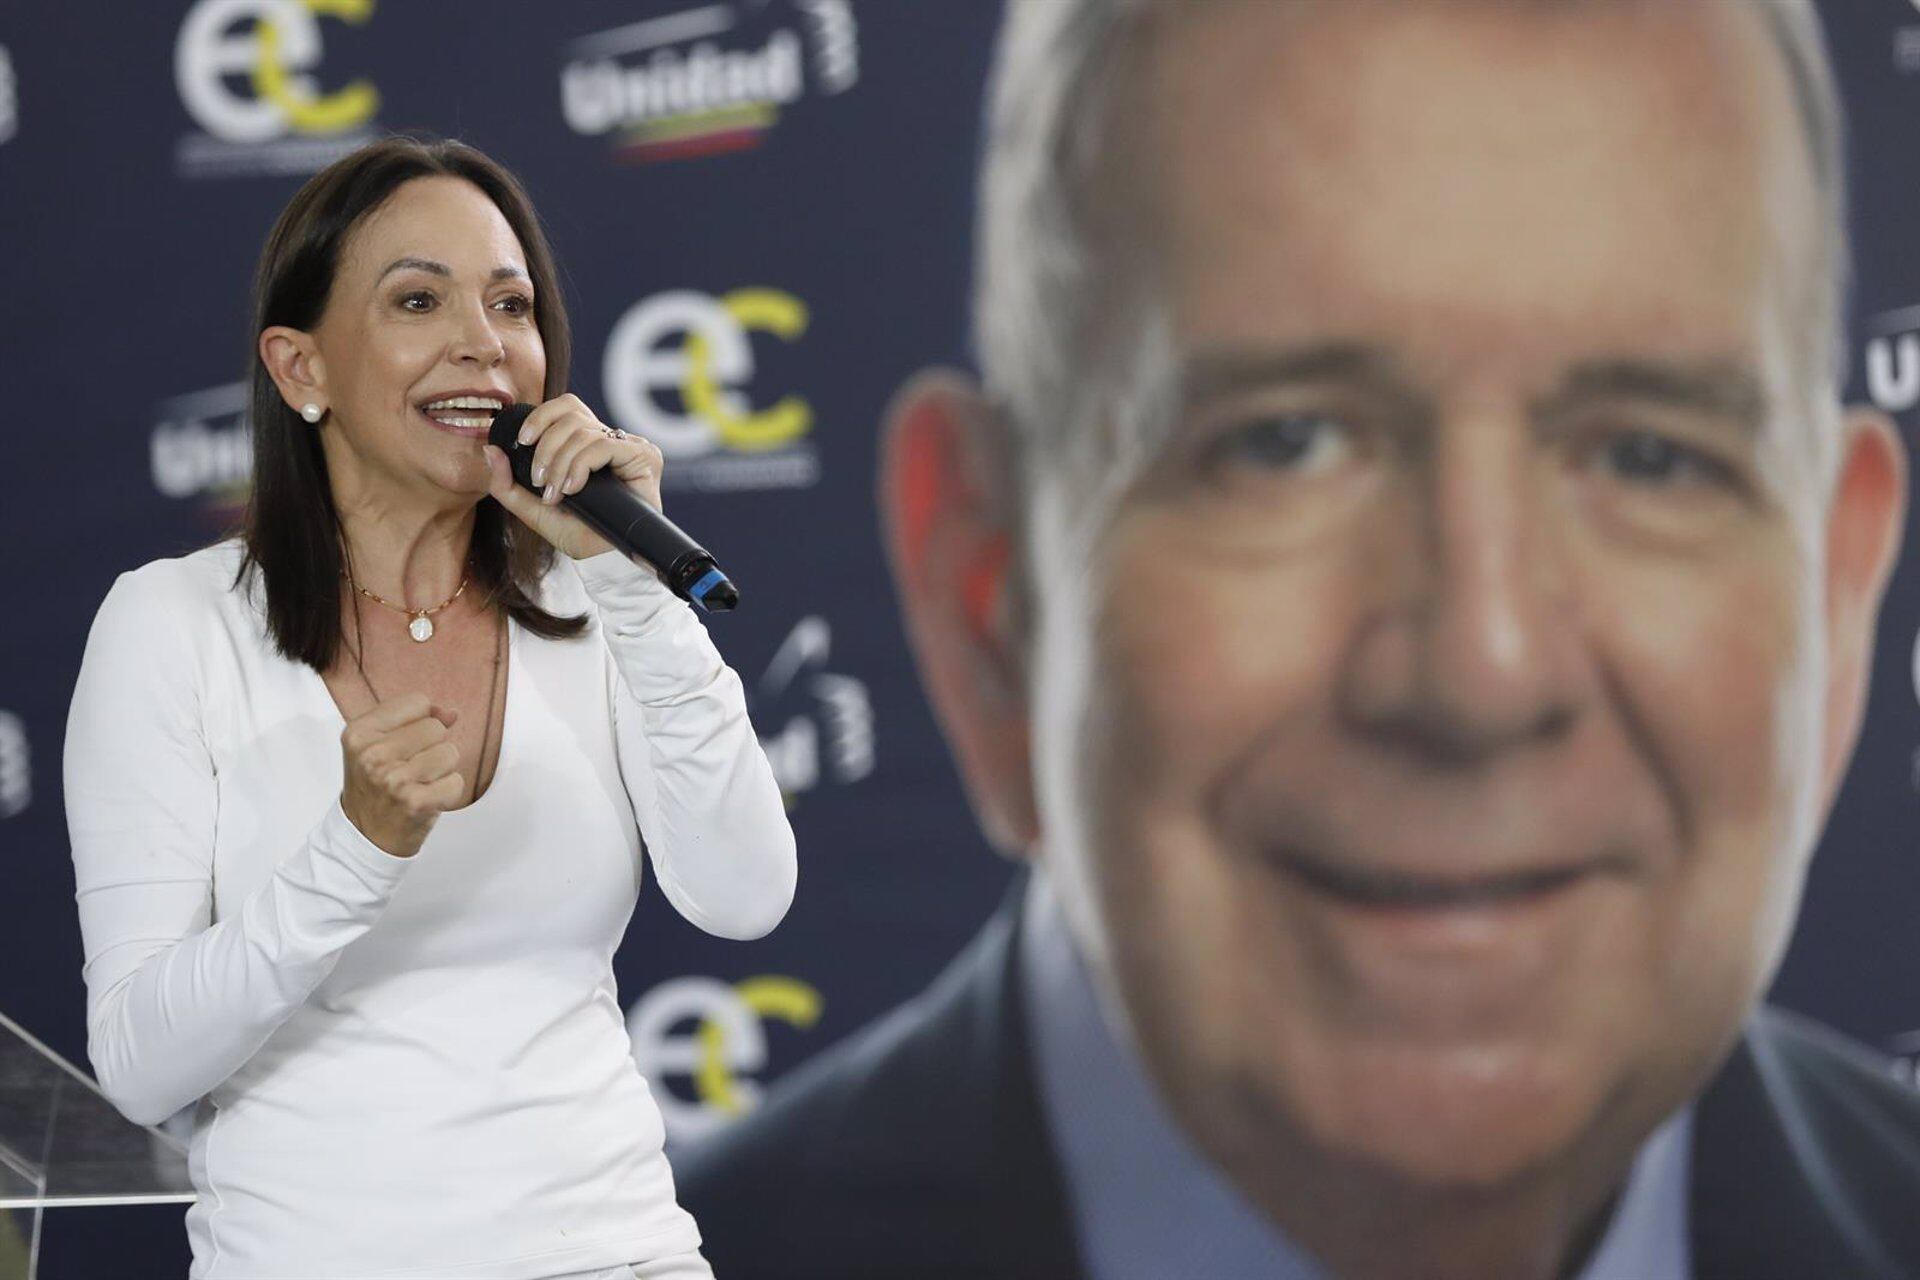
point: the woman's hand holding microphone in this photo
(569, 444)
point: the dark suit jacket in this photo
(916, 1150)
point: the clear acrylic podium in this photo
(62, 1145)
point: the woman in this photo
(357, 798)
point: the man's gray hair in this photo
(1072, 343)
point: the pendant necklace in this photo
(421, 628)
(493, 684)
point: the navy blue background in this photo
(126, 284)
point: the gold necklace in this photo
(421, 628)
(493, 684)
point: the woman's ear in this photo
(946, 513)
(292, 360)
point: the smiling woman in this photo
(383, 967)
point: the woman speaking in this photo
(358, 799)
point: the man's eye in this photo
(418, 300)
(1299, 443)
(1644, 458)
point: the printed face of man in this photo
(1430, 749)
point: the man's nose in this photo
(1474, 646)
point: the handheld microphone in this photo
(613, 512)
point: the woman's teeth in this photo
(448, 411)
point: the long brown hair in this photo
(292, 529)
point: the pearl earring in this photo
(311, 412)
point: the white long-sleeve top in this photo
(407, 1067)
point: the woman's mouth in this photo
(463, 415)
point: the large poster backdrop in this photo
(762, 209)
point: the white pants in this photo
(681, 1266)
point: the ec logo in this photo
(727, 1040)
(697, 346)
(284, 41)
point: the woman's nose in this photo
(476, 340)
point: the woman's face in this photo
(431, 303)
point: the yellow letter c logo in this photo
(305, 113)
(769, 311)
(787, 999)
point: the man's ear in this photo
(1864, 525)
(292, 360)
(946, 503)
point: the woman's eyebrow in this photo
(431, 267)
(415, 264)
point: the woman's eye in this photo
(418, 300)
(1299, 443)
(1646, 458)
(517, 304)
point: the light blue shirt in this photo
(1147, 1205)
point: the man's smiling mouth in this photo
(1370, 887)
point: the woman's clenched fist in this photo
(400, 765)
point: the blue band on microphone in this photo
(699, 589)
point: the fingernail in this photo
(526, 435)
(539, 472)
(551, 493)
